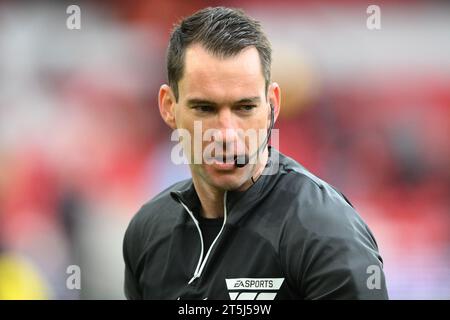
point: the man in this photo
(233, 231)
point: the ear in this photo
(275, 98)
(166, 101)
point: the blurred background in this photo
(82, 145)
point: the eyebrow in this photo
(196, 101)
(249, 100)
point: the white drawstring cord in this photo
(218, 235)
(200, 264)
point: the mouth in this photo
(223, 162)
(223, 166)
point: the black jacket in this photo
(289, 236)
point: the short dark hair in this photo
(222, 31)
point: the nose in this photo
(225, 119)
(228, 127)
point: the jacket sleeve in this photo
(130, 256)
(331, 252)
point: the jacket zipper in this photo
(202, 262)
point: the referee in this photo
(251, 223)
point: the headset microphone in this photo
(262, 146)
(243, 163)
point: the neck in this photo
(211, 197)
(211, 200)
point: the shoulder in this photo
(326, 246)
(159, 207)
(154, 219)
(317, 207)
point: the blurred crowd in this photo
(82, 145)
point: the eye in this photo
(204, 108)
(247, 107)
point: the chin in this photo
(225, 180)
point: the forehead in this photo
(221, 79)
